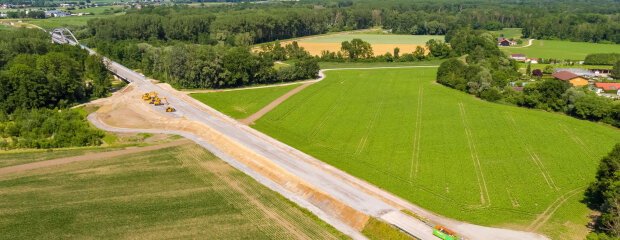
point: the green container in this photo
(443, 235)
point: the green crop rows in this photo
(180, 192)
(442, 149)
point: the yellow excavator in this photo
(161, 101)
(158, 101)
(149, 96)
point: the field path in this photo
(89, 156)
(250, 120)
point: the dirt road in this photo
(296, 171)
(87, 157)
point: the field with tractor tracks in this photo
(447, 151)
(178, 190)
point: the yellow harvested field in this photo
(378, 49)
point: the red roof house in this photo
(608, 87)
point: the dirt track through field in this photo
(533, 156)
(90, 156)
(482, 184)
(250, 120)
(578, 141)
(555, 205)
(417, 135)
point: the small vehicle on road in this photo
(444, 233)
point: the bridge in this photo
(63, 36)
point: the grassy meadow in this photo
(242, 103)
(561, 50)
(445, 150)
(332, 65)
(514, 33)
(176, 192)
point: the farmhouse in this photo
(608, 88)
(532, 60)
(518, 57)
(505, 42)
(574, 79)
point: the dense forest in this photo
(595, 21)
(38, 81)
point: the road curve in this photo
(354, 192)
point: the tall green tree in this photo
(604, 193)
(357, 49)
(98, 73)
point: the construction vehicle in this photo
(149, 96)
(158, 101)
(444, 233)
(170, 109)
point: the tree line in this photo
(37, 76)
(602, 59)
(244, 24)
(207, 66)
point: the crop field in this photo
(375, 38)
(561, 50)
(381, 43)
(175, 192)
(242, 103)
(447, 151)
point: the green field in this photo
(375, 38)
(514, 33)
(332, 65)
(562, 50)
(178, 192)
(242, 103)
(445, 150)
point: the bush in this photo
(491, 94)
(46, 128)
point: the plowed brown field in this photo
(378, 49)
